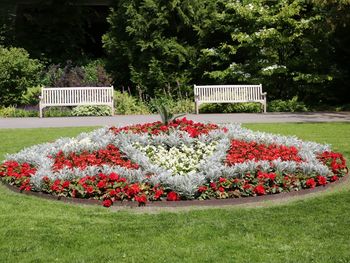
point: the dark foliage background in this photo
(155, 48)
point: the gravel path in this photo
(216, 118)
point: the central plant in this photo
(175, 161)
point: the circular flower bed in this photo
(179, 161)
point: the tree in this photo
(152, 45)
(263, 42)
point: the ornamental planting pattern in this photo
(183, 160)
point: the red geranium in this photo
(202, 189)
(310, 183)
(241, 151)
(260, 190)
(172, 196)
(142, 199)
(321, 180)
(334, 178)
(107, 203)
(158, 193)
(101, 184)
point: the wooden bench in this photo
(75, 96)
(229, 94)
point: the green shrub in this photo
(248, 107)
(17, 73)
(174, 106)
(183, 106)
(292, 105)
(70, 75)
(91, 110)
(12, 112)
(95, 74)
(127, 104)
(31, 96)
(57, 112)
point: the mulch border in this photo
(186, 203)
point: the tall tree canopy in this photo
(292, 47)
(152, 44)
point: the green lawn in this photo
(314, 229)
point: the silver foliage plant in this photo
(210, 169)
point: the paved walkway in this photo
(216, 118)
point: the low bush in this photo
(249, 107)
(91, 110)
(292, 105)
(174, 106)
(126, 104)
(12, 112)
(57, 112)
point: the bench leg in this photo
(40, 112)
(112, 110)
(196, 105)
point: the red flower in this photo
(247, 186)
(66, 184)
(310, 183)
(222, 180)
(89, 189)
(133, 189)
(141, 199)
(172, 196)
(241, 151)
(321, 180)
(101, 184)
(112, 193)
(259, 190)
(221, 189)
(113, 177)
(46, 179)
(55, 188)
(158, 194)
(107, 203)
(202, 189)
(334, 178)
(213, 186)
(272, 176)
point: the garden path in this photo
(216, 118)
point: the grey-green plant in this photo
(91, 110)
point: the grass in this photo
(314, 229)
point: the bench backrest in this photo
(228, 93)
(72, 96)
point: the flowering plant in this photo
(181, 160)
